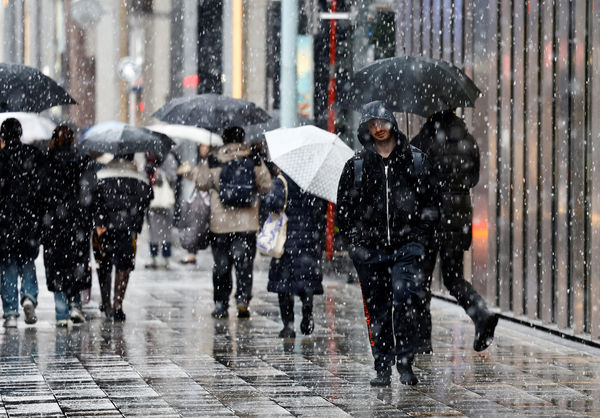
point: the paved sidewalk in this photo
(172, 359)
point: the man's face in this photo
(380, 129)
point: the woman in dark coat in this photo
(298, 271)
(67, 225)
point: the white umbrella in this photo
(312, 157)
(188, 133)
(35, 127)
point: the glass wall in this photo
(536, 229)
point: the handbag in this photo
(272, 236)
(164, 197)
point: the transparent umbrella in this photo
(188, 133)
(35, 127)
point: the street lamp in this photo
(131, 72)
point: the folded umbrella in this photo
(119, 138)
(418, 85)
(35, 127)
(312, 157)
(27, 89)
(210, 111)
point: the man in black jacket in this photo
(121, 201)
(385, 204)
(20, 218)
(454, 157)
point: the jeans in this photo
(64, 304)
(166, 249)
(9, 275)
(237, 250)
(394, 292)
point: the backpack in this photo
(236, 183)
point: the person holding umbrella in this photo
(122, 198)
(454, 157)
(298, 272)
(20, 219)
(68, 183)
(234, 178)
(385, 201)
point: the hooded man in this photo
(386, 204)
(20, 220)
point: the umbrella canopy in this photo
(35, 127)
(119, 138)
(214, 112)
(312, 157)
(188, 133)
(256, 132)
(417, 85)
(27, 89)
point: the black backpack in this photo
(236, 184)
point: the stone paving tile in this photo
(172, 359)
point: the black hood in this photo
(377, 110)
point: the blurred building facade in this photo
(537, 206)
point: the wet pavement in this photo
(170, 358)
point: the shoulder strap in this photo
(418, 157)
(358, 170)
(285, 187)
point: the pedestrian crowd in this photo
(400, 205)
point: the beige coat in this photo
(226, 219)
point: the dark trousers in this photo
(452, 268)
(394, 292)
(238, 250)
(286, 306)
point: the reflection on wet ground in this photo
(172, 359)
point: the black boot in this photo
(308, 324)
(484, 332)
(407, 376)
(383, 378)
(287, 331)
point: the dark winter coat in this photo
(386, 210)
(20, 202)
(122, 197)
(299, 269)
(68, 183)
(454, 157)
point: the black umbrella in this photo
(211, 111)
(417, 85)
(119, 138)
(256, 133)
(26, 89)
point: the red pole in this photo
(331, 91)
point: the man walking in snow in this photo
(385, 202)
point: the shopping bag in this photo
(195, 222)
(271, 239)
